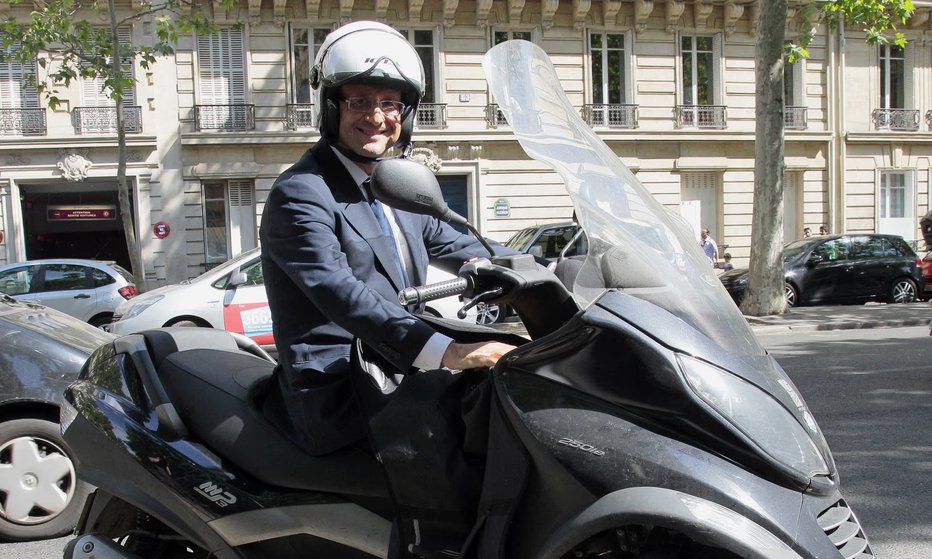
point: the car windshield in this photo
(792, 251)
(520, 240)
(636, 245)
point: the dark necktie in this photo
(386, 229)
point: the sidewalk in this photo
(843, 317)
(834, 317)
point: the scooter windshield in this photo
(636, 245)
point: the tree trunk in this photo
(126, 209)
(765, 292)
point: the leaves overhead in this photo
(878, 19)
(70, 39)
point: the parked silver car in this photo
(89, 290)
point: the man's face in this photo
(370, 133)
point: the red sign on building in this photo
(81, 213)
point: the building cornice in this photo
(77, 142)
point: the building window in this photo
(229, 219)
(609, 83)
(19, 102)
(699, 56)
(610, 105)
(501, 35)
(893, 194)
(896, 203)
(305, 44)
(221, 72)
(795, 114)
(423, 42)
(892, 77)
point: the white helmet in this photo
(371, 53)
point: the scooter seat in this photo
(214, 390)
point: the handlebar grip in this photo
(425, 293)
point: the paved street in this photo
(869, 387)
(871, 392)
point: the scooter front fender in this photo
(703, 521)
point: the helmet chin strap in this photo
(353, 156)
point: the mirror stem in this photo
(482, 240)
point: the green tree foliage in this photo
(71, 39)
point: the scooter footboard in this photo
(700, 520)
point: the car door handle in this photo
(82, 296)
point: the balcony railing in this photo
(795, 118)
(700, 116)
(22, 122)
(611, 115)
(88, 121)
(299, 115)
(431, 115)
(494, 116)
(230, 118)
(896, 119)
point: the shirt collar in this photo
(358, 175)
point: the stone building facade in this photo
(668, 84)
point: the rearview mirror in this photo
(237, 279)
(410, 186)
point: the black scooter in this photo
(643, 419)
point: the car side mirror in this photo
(237, 279)
(814, 260)
(536, 250)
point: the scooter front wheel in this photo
(630, 542)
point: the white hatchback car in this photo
(231, 297)
(89, 290)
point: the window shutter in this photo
(221, 68)
(14, 93)
(909, 60)
(93, 91)
(242, 215)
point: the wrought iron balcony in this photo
(299, 115)
(22, 122)
(230, 118)
(795, 118)
(494, 116)
(431, 115)
(896, 119)
(88, 121)
(611, 115)
(700, 116)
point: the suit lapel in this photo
(356, 210)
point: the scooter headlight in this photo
(758, 415)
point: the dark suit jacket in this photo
(330, 277)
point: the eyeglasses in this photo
(365, 105)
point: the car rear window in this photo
(127, 275)
(102, 278)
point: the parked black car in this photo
(843, 269)
(41, 352)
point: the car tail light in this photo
(127, 291)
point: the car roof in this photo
(83, 261)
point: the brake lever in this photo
(461, 314)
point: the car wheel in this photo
(184, 323)
(489, 314)
(903, 290)
(99, 321)
(792, 296)
(40, 494)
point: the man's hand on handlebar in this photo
(471, 356)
